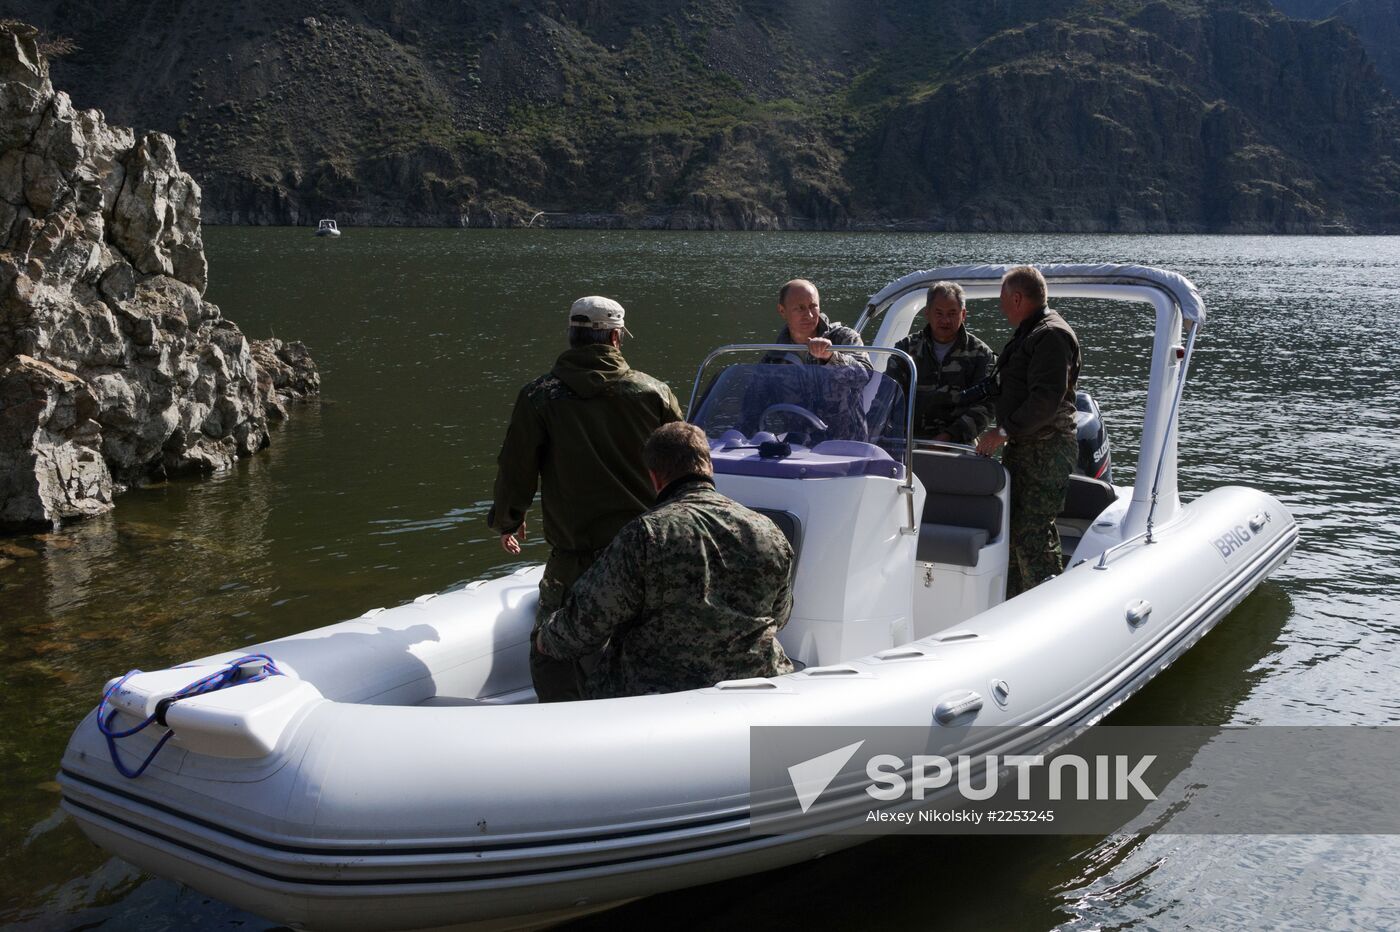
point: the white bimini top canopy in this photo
(1065, 280)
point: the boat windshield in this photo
(803, 405)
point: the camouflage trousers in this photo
(557, 680)
(1039, 480)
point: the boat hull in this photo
(382, 805)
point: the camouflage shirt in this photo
(691, 593)
(938, 408)
(839, 335)
(578, 432)
(1037, 372)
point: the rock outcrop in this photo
(113, 368)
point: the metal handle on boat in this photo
(907, 489)
(1138, 611)
(1103, 557)
(956, 706)
(913, 526)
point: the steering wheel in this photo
(816, 422)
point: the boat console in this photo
(893, 543)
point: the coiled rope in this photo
(219, 679)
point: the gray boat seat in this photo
(1087, 498)
(962, 510)
(947, 543)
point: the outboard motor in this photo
(1095, 460)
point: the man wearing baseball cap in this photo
(577, 432)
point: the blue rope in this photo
(219, 679)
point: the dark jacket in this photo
(691, 593)
(1037, 372)
(938, 407)
(579, 431)
(839, 334)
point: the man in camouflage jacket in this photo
(835, 396)
(1036, 376)
(799, 305)
(691, 593)
(950, 360)
(578, 432)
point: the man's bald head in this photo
(795, 283)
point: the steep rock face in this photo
(961, 114)
(1376, 22)
(113, 368)
(1208, 120)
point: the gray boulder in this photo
(113, 367)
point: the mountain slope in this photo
(965, 114)
(1376, 22)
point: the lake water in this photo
(378, 494)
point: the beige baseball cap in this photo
(598, 313)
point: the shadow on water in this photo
(1001, 881)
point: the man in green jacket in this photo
(950, 360)
(1037, 372)
(691, 593)
(578, 432)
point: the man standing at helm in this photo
(799, 306)
(578, 431)
(1036, 373)
(835, 397)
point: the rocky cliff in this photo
(1109, 115)
(1375, 22)
(113, 368)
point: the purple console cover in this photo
(830, 459)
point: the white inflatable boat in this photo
(393, 771)
(327, 228)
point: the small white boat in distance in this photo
(327, 228)
(396, 773)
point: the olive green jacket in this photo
(578, 433)
(1037, 372)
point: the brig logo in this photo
(1231, 541)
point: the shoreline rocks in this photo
(113, 368)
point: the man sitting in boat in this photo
(579, 431)
(689, 594)
(950, 360)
